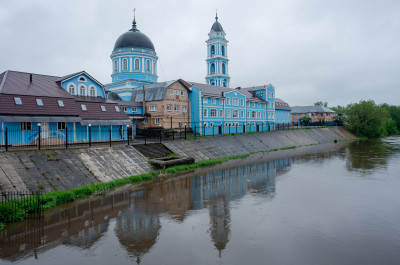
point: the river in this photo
(324, 204)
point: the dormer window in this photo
(18, 101)
(103, 108)
(61, 103)
(39, 102)
(83, 106)
(117, 109)
(82, 90)
(92, 91)
(71, 89)
(82, 79)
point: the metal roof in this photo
(154, 92)
(311, 109)
(282, 105)
(134, 39)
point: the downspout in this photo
(144, 103)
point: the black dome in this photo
(217, 27)
(134, 39)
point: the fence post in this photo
(6, 134)
(185, 130)
(127, 133)
(40, 132)
(90, 135)
(204, 130)
(145, 140)
(66, 137)
(110, 134)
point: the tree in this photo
(367, 119)
(394, 112)
(339, 109)
(305, 119)
(322, 104)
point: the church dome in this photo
(134, 39)
(217, 27)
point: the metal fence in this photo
(12, 202)
(38, 138)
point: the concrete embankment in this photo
(216, 147)
(48, 170)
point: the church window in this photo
(116, 66)
(82, 90)
(92, 91)
(148, 66)
(223, 50)
(71, 89)
(212, 83)
(137, 65)
(224, 83)
(224, 70)
(125, 65)
(212, 69)
(212, 50)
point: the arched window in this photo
(148, 66)
(82, 90)
(82, 79)
(223, 50)
(71, 89)
(212, 83)
(125, 65)
(212, 68)
(212, 50)
(116, 66)
(92, 91)
(223, 69)
(224, 83)
(137, 65)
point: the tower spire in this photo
(134, 20)
(216, 14)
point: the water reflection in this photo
(138, 212)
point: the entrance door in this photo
(45, 130)
(219, 129)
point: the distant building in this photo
(316, 113)
(282, 112)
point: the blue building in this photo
(282, 112)
(70, 108)
(217, 56)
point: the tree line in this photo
(367, 119)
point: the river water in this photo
(325, 204)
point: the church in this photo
(175, 103)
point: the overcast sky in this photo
(338, 51)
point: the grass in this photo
(51, 158)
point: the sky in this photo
(338, 52)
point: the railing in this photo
(20, 204)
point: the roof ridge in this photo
(4, 80)
(31, 73)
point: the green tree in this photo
(320, 103)
(367, 119)
(339, 109)
(394, 113)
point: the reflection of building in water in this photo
(220, 222)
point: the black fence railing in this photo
(38, 138)
(20, 204)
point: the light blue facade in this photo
(282, 116)
(83, 84)
(217, 57)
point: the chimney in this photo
(238, 88)
(30, 78)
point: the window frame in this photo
(117, 108)
(61, 125)
(205, 113)
(152, 107)
(136, 67)
(83, 107)
(60, 103)
(103, 108)
(213, 113)
(39, 102)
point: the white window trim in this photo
(169, 107)
(205, 113)
(83, 79)
(125, 64)
(134, 64)
(90, 90)
(156, 121)
(68, 88)
(153, 108)
(79, 88)
(213, 116)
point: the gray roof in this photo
(134, 39)
(217, 27)
(310, 109)
(282, 105)
(154, 92)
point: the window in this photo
(71, 89)
(124, 108)
(213, 101)
(212, 70)
(182, 93)
(83, 106)
(272, 105)
(137, 65)
(61, 103)
(82, 90)
(116, 66)
(82, 79)
(176, 107)
(117, 109)
(205, 125)
(221, 101)
(264, 115)
(221, 113)
(92, 91)
(213, 113)
(39, 102)
(26, 126)
(205, 113)
(228, 101)
(272, 115)
(212, 82)
(242, 102)
(61, 125)
(148, 66)
(259, 115)
(124, 65)
(169, 107)
(228, 113)
(269, 94)
(156, 121)
(248, 114)
(255, 104)
(235, 114)
(212, 50)
(146, 121)
(272, 94)
(153, 108)
(171, 92)
(253, 114)
(184, 109)
(242, 114)
(223, 69)
(211, 125)
(223, 50)
(224, 83)
(177, 92)
(235, 102)
(134, 109)
(250, 105)
(103, 108)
